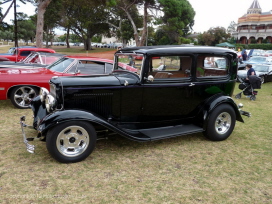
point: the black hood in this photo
(98, 80)
(115, 79)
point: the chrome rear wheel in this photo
(221, 122)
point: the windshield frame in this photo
(58, 62)
(140, 62)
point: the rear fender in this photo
(211, 105)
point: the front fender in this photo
(59, 117)
(212, 104)
(67, 115)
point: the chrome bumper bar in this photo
(245, 113)
(29, 147)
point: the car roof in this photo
(174, 49)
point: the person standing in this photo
(244, 56)
(250, 71)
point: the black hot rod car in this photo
(173, 91)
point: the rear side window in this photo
(170, 67)
(212, 66)
(25, 53)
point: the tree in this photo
(52, 18)
(14, 3)
(6, 35)
(178, 18)
(213, 36)
(161, 37)
(127, 6)
(120, 24)
(41, 8)
(172, 15)
(232, 27)
(2, 17)
(86, 19)
(26, 28)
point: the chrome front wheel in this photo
(71, 141)
(22, 95)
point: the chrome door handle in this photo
(191, 84)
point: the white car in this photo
(262, 70)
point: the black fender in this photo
(212, 104)
(59, 117)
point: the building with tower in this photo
(255, 26)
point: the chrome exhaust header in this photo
(29, 147)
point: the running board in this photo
(166, 132)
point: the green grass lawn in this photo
(187, 169)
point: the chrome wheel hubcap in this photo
(24, 95)
(72, 141)
(223, 123)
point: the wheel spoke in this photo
(65, 142)
(18, 96)
(22, 103)
(23, 90)
(31, 91)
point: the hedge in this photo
(254, 46)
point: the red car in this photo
(21, 85)
(268, 53)
(21, 53)
(35, 60)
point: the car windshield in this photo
(261, 68)
(61, 65)
(257, 59)
(133, 60)
(11, 50)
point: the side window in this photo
(171, 67)
(91, 67)
(25, 53)
(209, 66)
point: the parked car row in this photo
(22, 83)
(255, 52)
(33, 60)
(255, 60)
(264, 71)
(102, 45)
(20, 53)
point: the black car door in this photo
(171, 96)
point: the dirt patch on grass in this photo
(104, 55)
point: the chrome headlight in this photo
(43, 93)
(50, 102)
